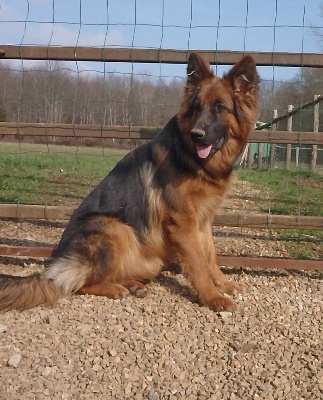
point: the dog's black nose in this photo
(197, 133)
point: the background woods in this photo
(51, 93)
(296, 91)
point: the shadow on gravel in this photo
(175, 269)
(277, 273)
(266, 237)
(38, 222)
(173, 285)
(24, 242)
(21, 262)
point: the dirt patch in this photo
(314, 184)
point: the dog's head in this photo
(218, 113)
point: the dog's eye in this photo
(218, 107)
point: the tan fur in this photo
(68, 274)
(109, 257)
(28, 292)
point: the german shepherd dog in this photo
(156, 207)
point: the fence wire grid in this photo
(44, 105)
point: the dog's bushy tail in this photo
(17, 292)
(62, 278)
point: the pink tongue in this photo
(203, 151)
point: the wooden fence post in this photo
(273, 145)
(297, 157)
(260, 154)
(315, 129)
(289, 146)
(250, 156)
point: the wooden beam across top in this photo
(166, 56)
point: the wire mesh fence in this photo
(80, 85)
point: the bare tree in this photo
(50, 92)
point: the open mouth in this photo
(204, 151)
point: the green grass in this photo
(295, 192)
(53, 175)
(62, 175)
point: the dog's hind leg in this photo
(116, 290)
(110, 290)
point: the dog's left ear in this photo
(243, 77)
(197, 70)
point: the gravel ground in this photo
(167, 346)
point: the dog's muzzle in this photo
(204, 150)
(197, 134)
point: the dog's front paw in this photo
(222, 303)
(233, 288)
(118, 292)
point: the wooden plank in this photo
(242, 262)
(268, 221)
(77, 130)
(140, 132)
(289, 146)
(316, 124)
(29, 211)
(168, 56)
(285, 137)
(273, 146)
(250, 220)
(270, 263)
(25, 251)
(292, 111)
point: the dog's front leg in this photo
(184, 235)
(219, 279)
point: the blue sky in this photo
(250, 25)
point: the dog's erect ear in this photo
(243, 77)
(197, 69)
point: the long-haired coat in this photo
(157, 205)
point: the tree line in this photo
(296, 91)
(52, 93)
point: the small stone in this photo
(3, 328)
(96, 367)
(225, 314)
(153, 396)
(47, 371)
(249, 346)
(15, 360)
(112, 352)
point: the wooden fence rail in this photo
(241, 262)
(141, 132)
(237, 219)
(169, 56)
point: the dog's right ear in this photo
(197, 70)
